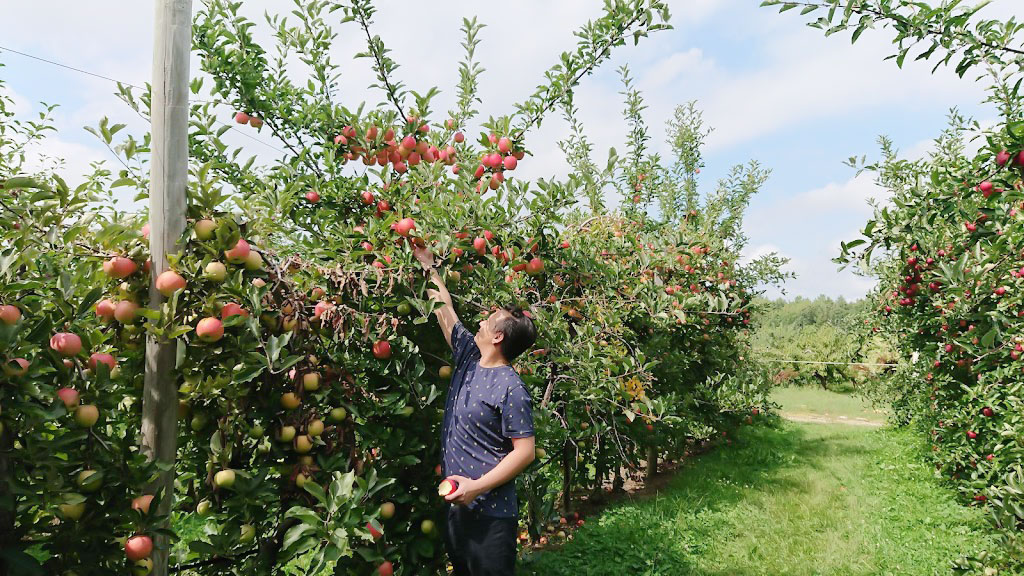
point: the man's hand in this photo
(424, 256)
(467, 491)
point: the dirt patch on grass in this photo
(820, 419)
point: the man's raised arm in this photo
(445, 314)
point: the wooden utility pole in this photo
(168, 184)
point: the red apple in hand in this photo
(447, 486)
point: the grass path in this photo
(797, 499)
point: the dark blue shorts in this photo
(480, 545)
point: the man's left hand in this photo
(467, 491)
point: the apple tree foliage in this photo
(948, 249)
(308, 361)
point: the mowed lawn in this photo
(797, 499)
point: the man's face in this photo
(490, 327)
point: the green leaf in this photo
(296, 533)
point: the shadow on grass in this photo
(672, 532)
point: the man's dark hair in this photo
(519, 331)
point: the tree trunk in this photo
(568, 461)
(652, 461)
(168, 184)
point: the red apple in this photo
(16, 368)
(312, 197)
(255, 122)
(66, 343)
(1002, 158)
(447, 486)
(382, 350)
(97, 358)
(9, 314)
(405, 226)
(374, 531)
(125, 311)
(322, 307)
(242, 118)
(105, 309)
(233, 309)
(210, 329)
(239, 253)
(138, 547)
(367, 197)
(535, 266)
(385, 569)
(987, 412)
(480, 245)
(120, 267)
(69, 396)
(169, 282)
(142, 503)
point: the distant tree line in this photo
(819, 342)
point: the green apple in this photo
(338, 414)
(216, 271)
(287, 434)
(73, 511)
(387, 510)
(89, 480)
(198, 422)
(303, 444)
(315, 427)
(311, 382)
(290, 401)
(224, 478)
(248, 534)
(142, 567)
(203, 508)
(427, 526)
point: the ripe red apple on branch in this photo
(138, 547)
(9, 314)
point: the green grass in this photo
(818, 402)
(801, 499)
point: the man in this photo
(487, 433)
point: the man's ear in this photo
(498, 337)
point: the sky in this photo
(772, 89)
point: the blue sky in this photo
(773, 89)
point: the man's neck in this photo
(492, 360)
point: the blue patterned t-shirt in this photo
(485, 409)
